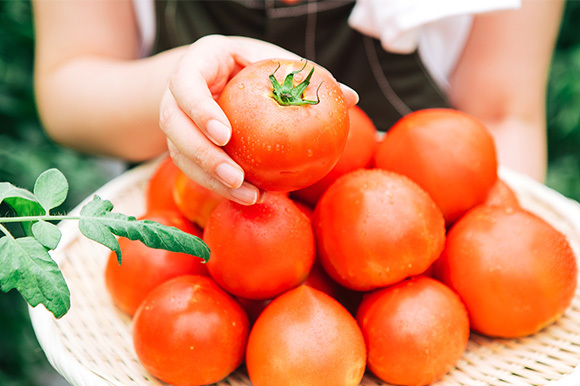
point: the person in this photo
(133, 79)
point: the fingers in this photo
(194, 123)
(201, 159)
(195, 85)
(245, 194)
(351, 97)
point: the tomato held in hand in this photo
(289, 123)
(415, 331)
(188, 331)
(375, 228)
(515, 272)
(448, 153)
(305, 337)
(144, 268)
(358, 153)
(259, 251)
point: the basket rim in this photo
(62, 360)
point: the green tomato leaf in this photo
(98, 223)
(46, 233)
(51, 189)
(22, 202)
(27, 267)
(8, 190)
(97, 231)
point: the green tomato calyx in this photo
(287, 94)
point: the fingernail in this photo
(245, 195)
(230, 175)
(348, 89)
(218, 132)
(261, 197)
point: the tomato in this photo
(319, 279)
(501, 194)
(305, 337)
(515, 272)
(285, 147)
(188, 331)
(159, 190)
(144, 268)
(193, 200)
(448, 153)
(415, 331)
(259, 251)
(358, 153)
(374, 228)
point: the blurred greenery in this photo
(25, 151)
(564, 108)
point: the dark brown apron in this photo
(389, 85)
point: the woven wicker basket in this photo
(92, 344)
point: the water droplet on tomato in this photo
(310, 153)
(241, 86)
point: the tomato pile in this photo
(408, 244)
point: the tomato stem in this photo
(288, 95)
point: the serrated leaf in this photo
(97, 218)
(99, 232)
(51, 189)
(46, 233)
(28, 268)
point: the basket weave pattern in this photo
(92, 344)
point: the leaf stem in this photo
(36, 218)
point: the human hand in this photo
(194, 123)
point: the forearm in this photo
(520, 144)
(501, 78)
(111, 106)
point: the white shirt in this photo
(437, 28)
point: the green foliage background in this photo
(25, 151)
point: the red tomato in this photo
(188, 331)
(193, 200)
(259, 251)
(305, 337)
(515, 273)
(374, 228)
(320, 280)
(159, 191)
(358, 153)
(144, 268)
(415, 331)
(501, 194)
(285, 147)
(448, 153)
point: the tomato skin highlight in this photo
(375, 228)
(515, 272)
(284, 148)
(262, 250)
(305, 337)
(188, 331)
(415, 331)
